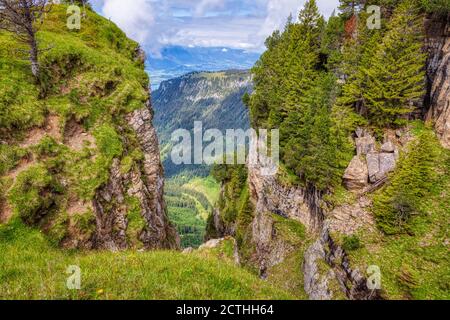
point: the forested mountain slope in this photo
(213, 98)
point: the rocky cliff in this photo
(438, 71)
(79, 154)
(146, 183)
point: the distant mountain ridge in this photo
(214, 98)
(176, 61)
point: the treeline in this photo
(319, 80)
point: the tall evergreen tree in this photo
(395, 76)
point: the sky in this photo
(237, 24)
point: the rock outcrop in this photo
(371, 164)
(337, 269)
(299, 204)
(146, 183)
(356, 175)
(438, 73)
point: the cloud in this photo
(136, 18)
(208, 4)
(242, 24)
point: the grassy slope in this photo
(208, 186)
(90, 76)
(30, 268)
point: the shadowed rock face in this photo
(145, 183)
(438, 72)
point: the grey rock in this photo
(438, 69)
(316, 284)
(365, 145)
(373, 165)
(387, 164)
(380, 164)
(388, 147)
(356, 176)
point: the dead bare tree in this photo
(23, 18)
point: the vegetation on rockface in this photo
(89, 81)
(410, 245)
(414, 180)
(31, 268)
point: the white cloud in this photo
(243, 24)
(136, 18)
(208, 4)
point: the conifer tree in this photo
(395, 76)
(349, 8)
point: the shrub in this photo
(413, 180)
(351, 243)
(10, 157)
(33, 194)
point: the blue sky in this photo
(238, 24)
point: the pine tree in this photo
(412, 182)
(395, 76)
(349, 8)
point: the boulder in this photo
(211, 244)
(388, 147)
(373, 166)
(380, 164)
(365, 145)
(356, 176)
(188, 250)
(388, 162)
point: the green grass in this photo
(30, 268)
(207, 186)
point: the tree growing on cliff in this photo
(23, 18)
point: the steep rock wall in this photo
(146, 183)
(438, 72)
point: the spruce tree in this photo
(395, 76)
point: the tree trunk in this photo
(34, 58)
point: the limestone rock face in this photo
(356, 176)
(349, 218)
(268, 195)
(438, 70)
(146, 184)
(380, 165)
